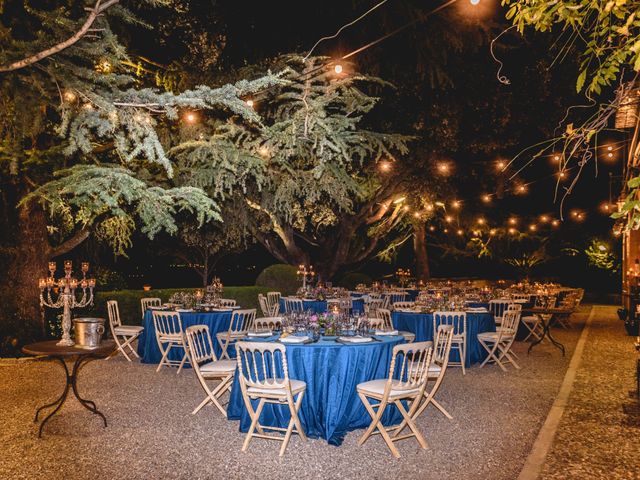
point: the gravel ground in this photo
(598, 434)
(152, 434)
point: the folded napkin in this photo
(294, 339)
(356, 339)
(267, 333)
(477, 310)
(184, 310)
(157, 308)
(383, 333)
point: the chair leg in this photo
(255, 416)
(294, 421)
(441, 408)
(410, 423)
(377, 424)
(463, 358)
(165, 355)
(185, 357)
(121, 347)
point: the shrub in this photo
(280, 277)
(129, 301)
(350, 280)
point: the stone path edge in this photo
(541, 446)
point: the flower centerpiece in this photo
(214, 292)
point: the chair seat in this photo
(219, 366)
(530, 319)
(296, 387)
(128, 330)
(173, 337)
(493, 336)
(408, 336)
(376, 388)
(233, 336)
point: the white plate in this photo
(260, 334)
(294, 339)
(355, 339)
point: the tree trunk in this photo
(28, 263)
(420, 251)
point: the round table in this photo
(320, 306)
(330, 407)
(421, 324)
(148, 346)
(82, 356)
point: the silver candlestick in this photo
(306, 273)
(67, 287)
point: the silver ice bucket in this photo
(88, 332)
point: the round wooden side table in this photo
(82, 356)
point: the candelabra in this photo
(306, 273)
(403, 276)
(67, 286)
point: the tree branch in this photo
(95, 12)
(71, 243)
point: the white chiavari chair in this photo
(268, 323)
(169, 335)
(208, 367)
(123, 335)
(273, 300)
(241, 323)
(406, 383)
(385, 315)
(293, 304)
(458, 320)
(264, 376)
(145, 303)
(497, 308)
(227, 303)
(264, 305)
(498, 344)
(403, 305)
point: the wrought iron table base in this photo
(71, 383)
(546, 332)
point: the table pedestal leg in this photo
(546, 332)
(71, 379)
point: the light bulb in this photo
(474, 2)
(337, 68)
(250, 103)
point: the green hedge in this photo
(129, 301)
(280, 278)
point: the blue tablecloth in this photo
(422, 325)
(330, 407)
(148, 346)
(320, 306)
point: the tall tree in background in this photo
(322, 197)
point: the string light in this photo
(384, 165)
(513, 221)
(429, 208)
(250, 103)
(444, 168)
(459, 232)
(556, 158)
(263, 151)
(455, 204)
(406, 208)
(522, 189)
(486, 198)
(474, 2)
(511, 230)
(338, 68)
(544, 218)
(69, 96)
(481, 221)
(492, 231)
(87, 106)
(448, 219)
(432, 228)
(555, 223)
(533, 227)
(446, 230)
(190, 117)
(562, 175)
